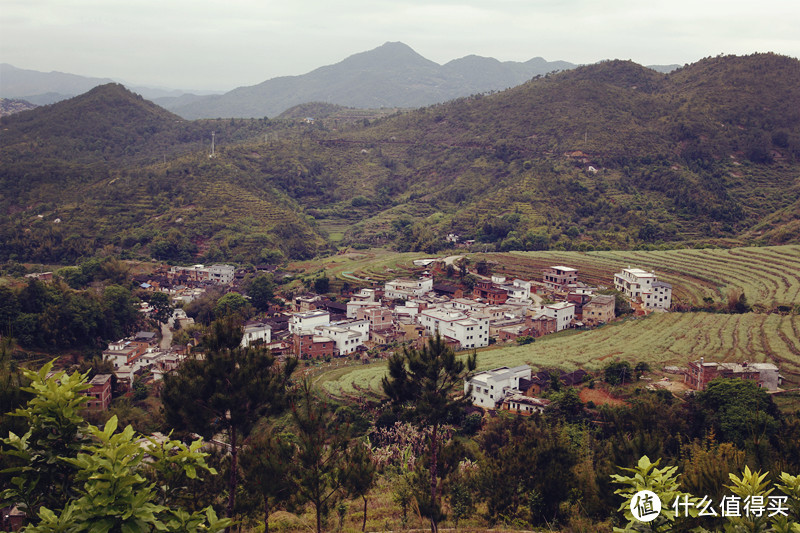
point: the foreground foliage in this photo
(70, 476)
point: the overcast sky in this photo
(197, 44)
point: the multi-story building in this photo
(308, 320)
(642, 286)
(345, 341)
(256, 332)
(557, 277)
(222, 274)
(312, 346)
(660, 296)
(124, 352)
(490, 388)
(347, 335)
(486, 290)
(406, 289)
(470, 330)
(379, 318)
(599, 310)
(99, 392)
(563, 312)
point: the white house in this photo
(490, 388)
(660, 296)
(563, 312)
(256, 332)
(406, 289)
(643, 286)
(346, 340)
(471, 330)
(354, 306)
(308, 320)
(221, 273)
(365, 295)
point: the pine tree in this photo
(420, 385)
(226, 389)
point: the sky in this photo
(197, 44)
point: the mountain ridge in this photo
(391, 75)
(612, 155)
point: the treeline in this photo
(54, 316)
(286, 448)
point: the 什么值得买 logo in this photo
(645, 506)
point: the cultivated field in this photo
(662, 339)
(768, 276)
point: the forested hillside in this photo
(612, 155)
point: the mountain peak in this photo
(393, 54)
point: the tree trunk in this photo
(233, 476)
(434, 472)
(319, 518)
(266, 514)
(364, 525)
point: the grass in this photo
(373, 265)
(768, 276)
(660, 340)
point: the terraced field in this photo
(369, 265)
(769, 276)
(662, 339)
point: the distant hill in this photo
(109, 168)
(11, 106)
(392, 75)
(606, 156)
(50, 87)
(42, 88)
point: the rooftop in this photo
(564, 268)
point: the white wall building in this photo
(406, 289)
(643, 286)
(308, 320)
(471, 330)
(221, 273)
(563, 312)
(490, 388)
(347, 336)
(660, 297)
(353, 307)
(257, 332)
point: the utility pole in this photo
(213, 134)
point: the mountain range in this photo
(611, 155)
(390, 76)
(42, 88)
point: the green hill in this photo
(608, 156)
(109, 168)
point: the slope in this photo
(108, 168)
(392, 75)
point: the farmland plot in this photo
(660, 339)
(769, 276)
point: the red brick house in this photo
(543, 325)
(487, 291)
(310, 346)
(99, 393)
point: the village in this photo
(373, 321)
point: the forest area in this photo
(275, 448)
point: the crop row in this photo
(769, 276)
(662, 339)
